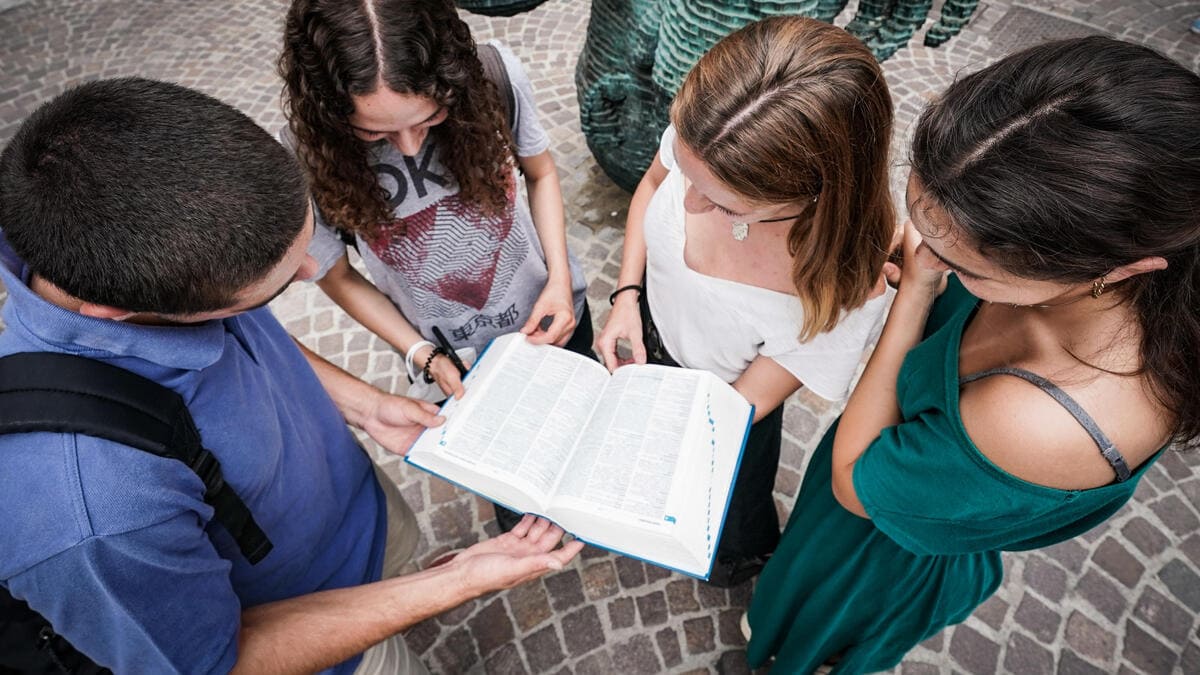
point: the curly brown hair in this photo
(334, 49)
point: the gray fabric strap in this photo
(1107, 449)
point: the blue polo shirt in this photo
(117, 548)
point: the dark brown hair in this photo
(149, 197)
(1070, 159)
(335, 49)
(788, 108)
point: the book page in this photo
(626, 458)
(519, 419)
(652, 473)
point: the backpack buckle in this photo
(209, 470)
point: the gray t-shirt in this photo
(443, 262)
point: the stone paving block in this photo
(974, 652)
(600, 580)
(599, 663)
(1183, 583)
(1176, 514)
(1142, 534)
(652, 608)
(711, 596)
(457, 653)
(1189, 661)
(621, 613)
(935, 642)
(592, 552)
(730, 629)
(452, 521)
(566, 590)
(1191, 490)
(582, 630)
(1102, 594)
(1045, 578)
(421, 637)
(668, 646)
(1041, 621)
(632, 573)
(992, 612)
(1164, 615)
(1070, 554)
(699, 634)
(733, 663)
(1070, 664)
(654, 573)
(1113, 558)
(1024, 655)
(441, 491)
(506, 661)
(1089, 638)
(919, 668)
(530, 605)
(543, 649)
(491, 627)
(681, 596)
(636, 656)
(1191, 548)
(457, 615)
(1145, 651)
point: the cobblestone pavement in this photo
(1122, 598)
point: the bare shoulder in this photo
(1028, 434)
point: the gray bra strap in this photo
(1107, 449)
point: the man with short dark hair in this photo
(145, 225)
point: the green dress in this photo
(940, 515)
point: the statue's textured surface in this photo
(638, 52)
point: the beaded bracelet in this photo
(411, 355)
(631, 287)
(428, 362)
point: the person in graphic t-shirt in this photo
(408, 150)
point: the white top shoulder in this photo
(721, 326)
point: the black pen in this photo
(450, 353)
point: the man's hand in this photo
(395, 421)
(523, 554)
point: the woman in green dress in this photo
(1020, 406)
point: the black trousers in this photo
(751, 523)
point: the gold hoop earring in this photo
(1098, 287)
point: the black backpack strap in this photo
(63, 393)
(494, 70)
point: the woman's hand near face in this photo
(914, 263)
(921, 269)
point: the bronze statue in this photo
(638, 51)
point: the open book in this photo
(641, 462)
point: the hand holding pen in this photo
(448, 349)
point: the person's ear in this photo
(1147, 264)
(104, 312)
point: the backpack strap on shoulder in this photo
(63, 393)
(494, 70)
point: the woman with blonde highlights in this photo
(761, 230)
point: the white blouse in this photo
(721, 326)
